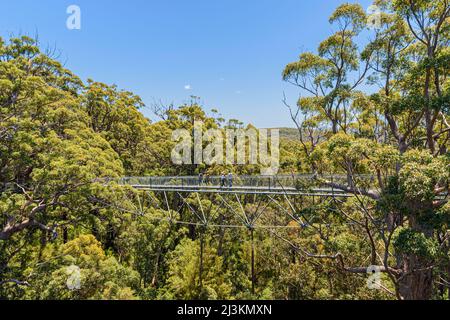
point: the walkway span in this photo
(300, 185)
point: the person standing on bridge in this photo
(222, 180)
(200, 179)
(230, 180)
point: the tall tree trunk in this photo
(416, 285)
(202, 244)
(417, 280)
(253, 261)
(221, 238)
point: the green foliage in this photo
(420, 174)
(349, 14)
(101, 277)
(408, 241)
(183, 275)
(115, 114)
(60, 139)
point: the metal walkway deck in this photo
(294, 185)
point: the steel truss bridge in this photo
(281, 193)
(243, 203)
(240, 204)
(267, 185)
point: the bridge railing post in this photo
(332, 185)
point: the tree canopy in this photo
(373, 107)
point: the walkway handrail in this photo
(291, 181)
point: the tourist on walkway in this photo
(230, 180)
(200, 179)
(222, 180)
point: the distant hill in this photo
(288, 133)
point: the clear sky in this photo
(229, 52)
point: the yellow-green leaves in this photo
(410, 242)
(115, 115)
(307, 63)
(422, 173)
(349, 16)
(80, 269)
(346, 152)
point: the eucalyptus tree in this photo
(403, 211)
(49, 156)
(329, 77)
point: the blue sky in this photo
(229, 52)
